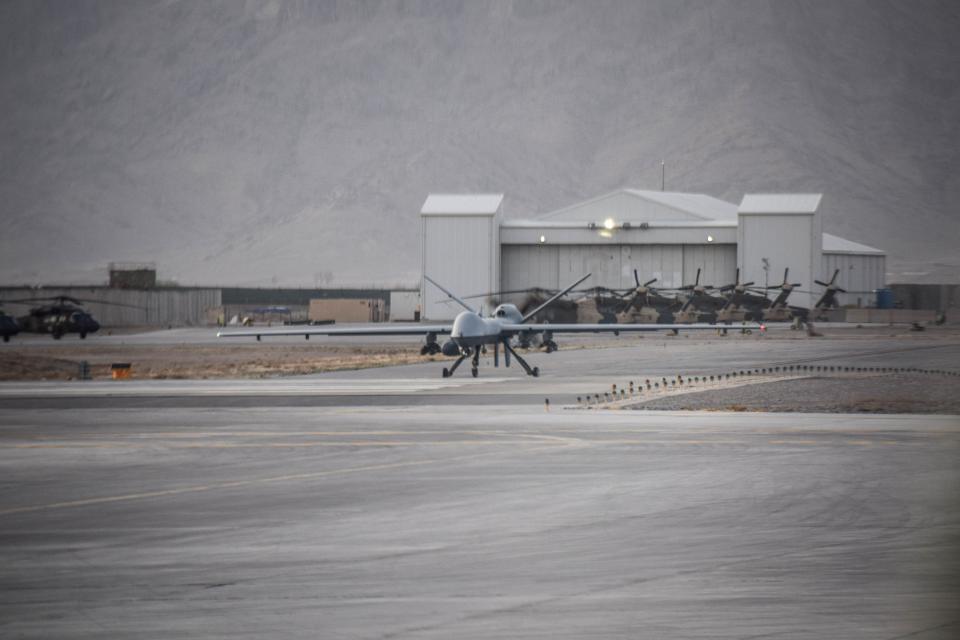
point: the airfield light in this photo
(709, 238)
(543, 239)
(608, 224)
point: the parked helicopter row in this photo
(692, 303)
(56, 315)
(471, 333)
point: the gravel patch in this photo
(887, 393)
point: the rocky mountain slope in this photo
(293, 143)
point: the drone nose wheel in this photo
(474, 372)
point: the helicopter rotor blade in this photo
(112, 304)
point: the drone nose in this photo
(466, 324)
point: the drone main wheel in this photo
(446, 372)
(6, 338)
(536, 372)
(474, 371)
(83, 335)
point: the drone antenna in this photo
(552, 299)
(451, 295)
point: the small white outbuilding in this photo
(459, 235)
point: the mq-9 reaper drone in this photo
(471, 332)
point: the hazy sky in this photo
(293, 143)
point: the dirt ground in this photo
(198, 361)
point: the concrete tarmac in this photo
(473, 519)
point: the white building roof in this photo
(688, 206)
(701, 205)
(836, 244)
(780, 202)
(462, 204)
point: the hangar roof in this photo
(667, 209)
(780, 202)
(638, 205)
(836, 244)
(462, 204)
(701, 205)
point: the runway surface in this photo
(484, 516)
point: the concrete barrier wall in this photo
(128, 307)
(889, 315)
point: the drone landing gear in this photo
(449, 372)
(475, 362)
(475, 368)
(535, 371)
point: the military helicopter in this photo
(63, 314)
(829, 298)
(778, 310)
(647, 304)
(741, 303)
(699, 305)
(8, 326)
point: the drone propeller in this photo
(505, 292)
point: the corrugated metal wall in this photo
(552, 267)
(860, 275)
(152, 307)
(718, 262)
(785, 241)
(459, 252)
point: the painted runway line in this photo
(268, 387)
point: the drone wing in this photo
(306, 331)
(620, 328)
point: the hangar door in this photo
(673, 265)
(717, 261)
(555, 266)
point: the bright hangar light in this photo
(608, 224)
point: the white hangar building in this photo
(470, 247)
